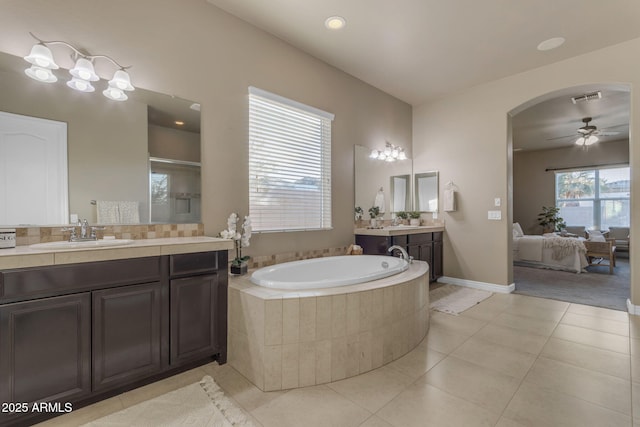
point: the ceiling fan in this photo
(588, 134)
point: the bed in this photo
(550, 251)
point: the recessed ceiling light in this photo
(551, 43)
(335, 22)
(179, 122)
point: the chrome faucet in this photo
(83, 227)
(403, 253)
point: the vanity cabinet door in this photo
(127, 334)
(198, 325)
(45, 349)
(437, 260)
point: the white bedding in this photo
(559, 253)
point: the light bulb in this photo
(41, 74)
(374, 154)
(115, 94)
(80, 85)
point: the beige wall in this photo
(175, 144)
(106, 142)
(533, 187)
(193, 50)
(466, 136)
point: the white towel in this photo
(449, 200)
(379, 201)
(107, 211)
(129, 212)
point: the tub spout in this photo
(403, 253)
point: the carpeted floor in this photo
(597, 287)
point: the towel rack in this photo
(93, 202)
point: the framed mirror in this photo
(109, 147)
(426, 191)
(400, 193)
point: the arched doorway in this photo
(543, 155)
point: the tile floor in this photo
(510, 361)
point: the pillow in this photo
(596, 236)
(517, 230)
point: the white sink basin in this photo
(82, 245)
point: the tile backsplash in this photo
(32, 235)
(265, 260)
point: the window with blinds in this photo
(289, 164)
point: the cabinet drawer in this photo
(199, 262)
(399, 240)
(36, 282)
(420, 238)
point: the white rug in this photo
(198, 405)
(454, 299)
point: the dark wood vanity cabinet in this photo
(421, 246)
(79, 332)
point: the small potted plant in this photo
(414, 218)
(550, 220)
(359, 213)
(239, 264)
(402, 216)
(374, 211)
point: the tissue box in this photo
(7, 238)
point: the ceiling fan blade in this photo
(607, 133)
(561, 137)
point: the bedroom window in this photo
(289, 164)
(594, 197)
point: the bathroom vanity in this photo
(80, 325)
(423, 243)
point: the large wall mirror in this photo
(131, 152)
(371, 175)
(426, 191)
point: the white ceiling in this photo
(421, 50)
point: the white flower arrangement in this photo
(240, 239)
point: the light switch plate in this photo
(495, 215)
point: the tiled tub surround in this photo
(32, 235)
(287, 339)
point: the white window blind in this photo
(289, 164)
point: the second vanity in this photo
(79, 325)
(423, 243)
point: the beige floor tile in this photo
(536, 406)
(374, 389)
(423, 405)
(635, 401)
(484, 387)
(506, 422)
(535, 311)
(458, 324)
(527, 324)
(418, 361)
(601, 389)
(634, 326)
(597, 323)
(524, 301)
(311, 406)
(513, 338)
(593, 338)
(243, 391)
(487, 310)
(588, 357)
(444, 340)
(375, 421)
(87, 414)
(621, 316)
(495, 356)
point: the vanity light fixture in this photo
(390, 153)
(82, 73)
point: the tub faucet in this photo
(403, 253)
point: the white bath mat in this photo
(454, 299)
(199, 404)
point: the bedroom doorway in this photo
(569, 149)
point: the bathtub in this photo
(328, 272)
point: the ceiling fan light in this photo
(80, 85)
(591, 139)
(41, 56)
(121, 80)
(84, 70)
(41, 74)
(580, 141)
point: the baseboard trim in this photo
(633, 309)
(491, 287)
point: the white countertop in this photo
(398, 230)
(26, 256)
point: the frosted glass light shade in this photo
(41, 74)
(84, 70)
(115, 94)
(41, 56)
(121, 80)
(80, 85)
